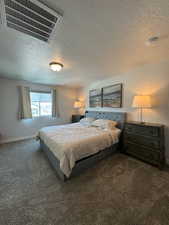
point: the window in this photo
(41, 104)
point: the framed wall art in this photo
(112, 96)
(95, 98)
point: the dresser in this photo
(145, 141)
(76, 118)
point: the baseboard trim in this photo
(16, 139)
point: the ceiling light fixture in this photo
(152, 40)
(55, 66)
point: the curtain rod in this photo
(47, 92)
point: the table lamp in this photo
(141, 102)
(77, 104)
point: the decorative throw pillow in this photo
(104, 124)
(87, 120)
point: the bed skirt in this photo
(81, 164)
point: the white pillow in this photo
(87, 120)
(104, 124)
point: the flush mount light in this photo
(55, 66)
(151, 40)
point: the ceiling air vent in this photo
(31, 17)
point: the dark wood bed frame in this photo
(89, 161)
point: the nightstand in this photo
(145, 141)
(76, 118)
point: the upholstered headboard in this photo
(120, 117)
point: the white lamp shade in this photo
(141, 101)
(77, 104)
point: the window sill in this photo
(47, 116)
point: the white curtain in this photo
(24, 103)
(55, 107)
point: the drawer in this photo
(141, 140)
(142, 130)
(143, 153)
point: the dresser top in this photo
(145, 124)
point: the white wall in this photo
(149, 79)
(11, 128)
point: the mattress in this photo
(72, 142)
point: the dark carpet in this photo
(117, 191)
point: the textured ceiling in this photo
(97, 39)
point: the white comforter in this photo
(72, 142)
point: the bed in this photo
(72, 148)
